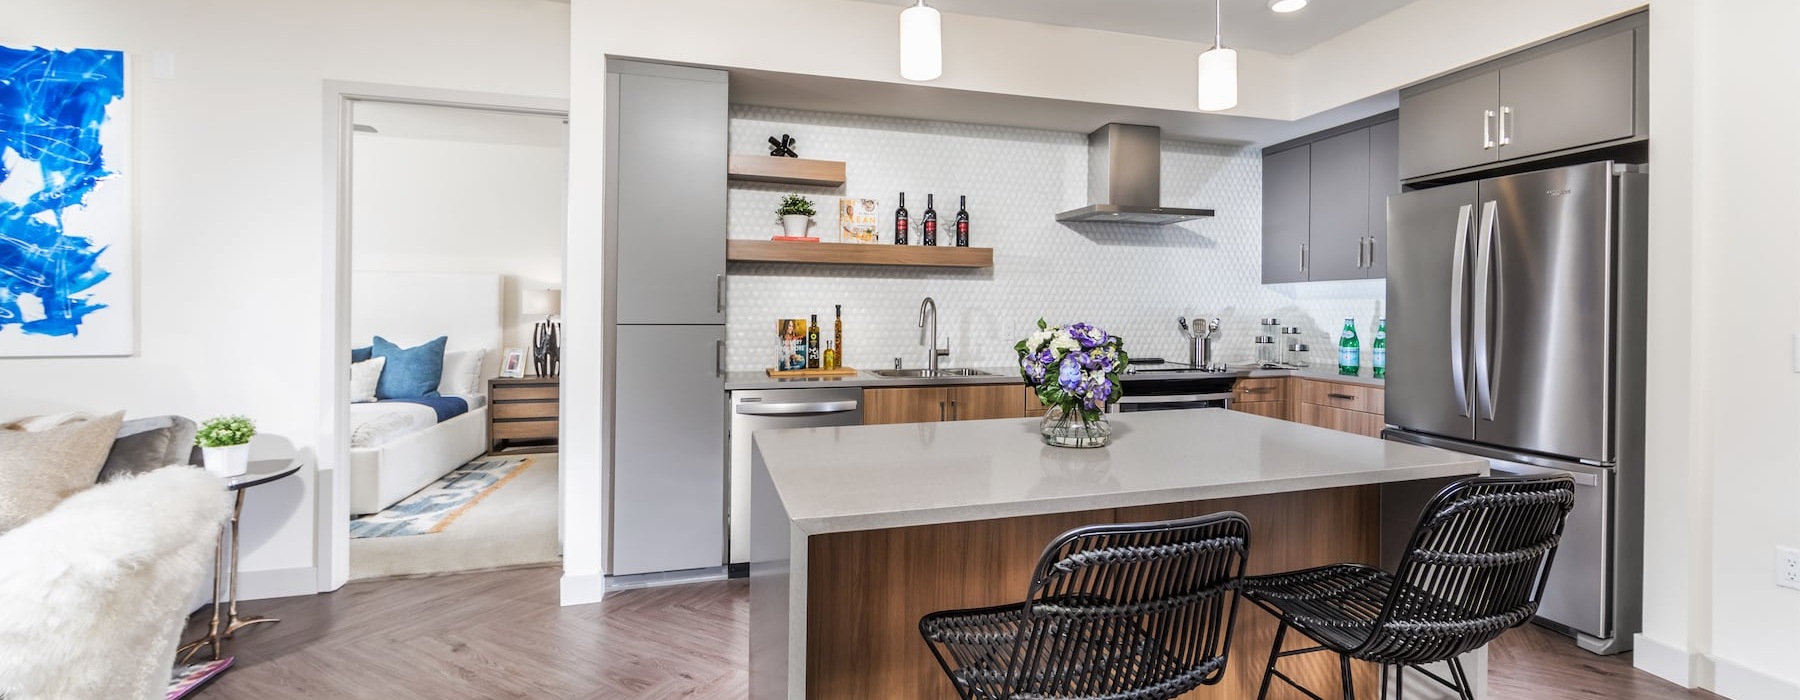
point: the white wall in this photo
(446, 205)
(230, 223)
(1131, 280)
(1724, 449)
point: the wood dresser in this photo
(523, 409)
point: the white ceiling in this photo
(408, 121)
(1248, 23)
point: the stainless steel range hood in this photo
(1125, 179)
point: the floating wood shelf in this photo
(857, 254)
(786, 171)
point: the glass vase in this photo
(1069, 427)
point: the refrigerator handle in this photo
(1484, 276)
(1458, 284)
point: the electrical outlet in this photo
(1787, 567)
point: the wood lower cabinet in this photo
(1367, 424)
(1351, 408)
(938, 403)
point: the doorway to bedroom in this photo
(456, 219)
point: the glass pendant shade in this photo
(921, 43)
(1218, 79)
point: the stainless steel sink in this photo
(927, 374)
(909, 373)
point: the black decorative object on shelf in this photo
(546, 348)
(782, 147)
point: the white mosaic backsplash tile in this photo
(1130, 280)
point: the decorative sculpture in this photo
(782, 147)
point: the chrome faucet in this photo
(928, 313)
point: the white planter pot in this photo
(226, 461)
(795, 224)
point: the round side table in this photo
(225, 620)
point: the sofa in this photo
(96, 579)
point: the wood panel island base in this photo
(859, 531)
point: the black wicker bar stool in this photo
(1122, 612)
(1476, 567)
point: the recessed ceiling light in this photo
(1285, 6)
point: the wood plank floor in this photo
(501, 635)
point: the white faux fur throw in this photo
(94, 594)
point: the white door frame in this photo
(333, 517)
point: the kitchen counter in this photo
(759, 379)
(856, 531)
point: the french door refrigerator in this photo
(1515, 332)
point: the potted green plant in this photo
(225, 444)
(796, 214)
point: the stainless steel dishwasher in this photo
(773, 409)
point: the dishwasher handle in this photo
(791, 409)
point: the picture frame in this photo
(512, 364)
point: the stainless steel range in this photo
(1152, 384)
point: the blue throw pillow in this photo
(361, 354)
(410, 373)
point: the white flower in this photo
(1063, 344)
(1037, 340)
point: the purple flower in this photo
(1033, 370)
(1089, 336)
(1069, 375)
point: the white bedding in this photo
(375, 424)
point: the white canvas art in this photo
(66, 286)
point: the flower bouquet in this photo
(1075, 371)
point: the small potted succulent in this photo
(225, 444)
(796, 214)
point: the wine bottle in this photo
(814, 351)
(1349, 350)
(837, 334)
(928, 225)
(962, 223)
(901, 222)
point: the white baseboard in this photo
(1741, 683)
(277, 583)
(583, 589)
(1671, 663)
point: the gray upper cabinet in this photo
(1287, 211)
(1450, 126)
(1585, 89)
(1340, 207)
(1384, 182)
(1325, 203)
(1573, 97)
(670, 135)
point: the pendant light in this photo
(921, 43)
(1218, 69)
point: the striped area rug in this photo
(434, 507)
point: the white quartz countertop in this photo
(883, 476)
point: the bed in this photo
(397, 447)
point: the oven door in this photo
(1176, 402)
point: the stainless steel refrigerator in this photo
(1516, 333)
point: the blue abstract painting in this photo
(65, 207)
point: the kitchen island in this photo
(859, 531)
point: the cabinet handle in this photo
(719, 292)
(1359, 253)
(1487, 129)
(1346, 397)
(719, 358)
(941, 415)
(1505, 114)
(1302, 257)
(953, 415)
(1259, 390)
(1371, 243)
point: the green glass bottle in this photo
(1349, 350)
(1380, 349)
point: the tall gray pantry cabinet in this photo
(667, 136)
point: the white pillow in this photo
(462, 373)
(363, 378)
